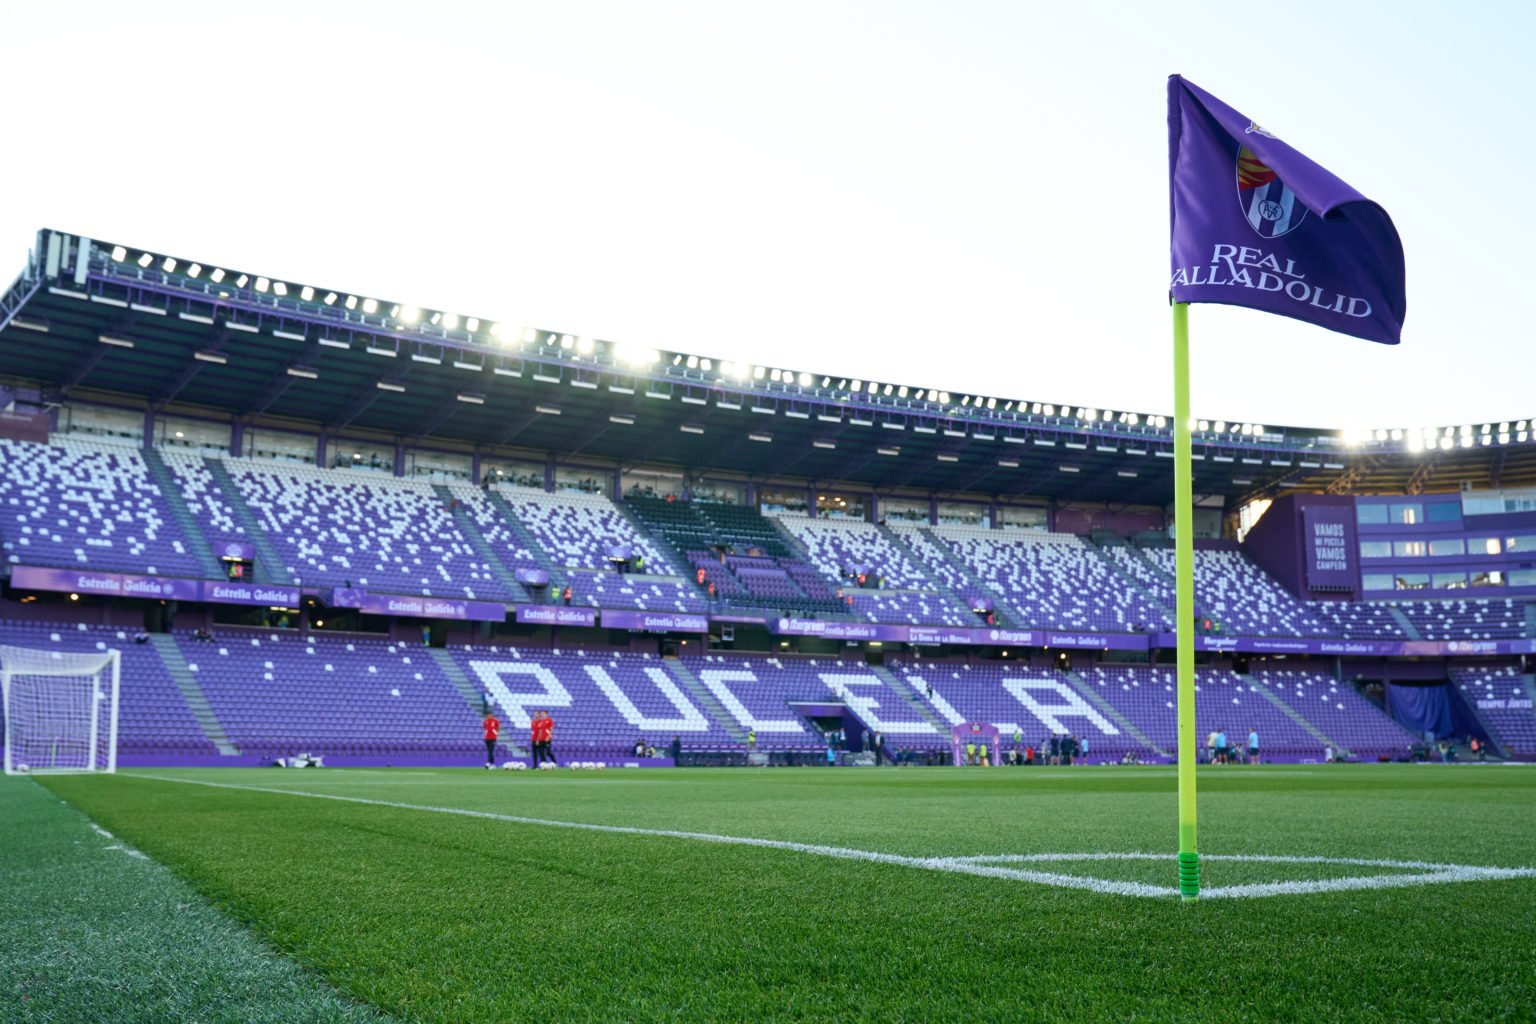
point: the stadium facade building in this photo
(326, 522)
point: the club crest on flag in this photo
(1267, 202)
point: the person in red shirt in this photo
(543, 731)
(492, 730)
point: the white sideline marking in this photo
(990, 866)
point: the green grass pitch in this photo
(423, 915)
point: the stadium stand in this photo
(1502, 699)
(278, 695)
(1337, 710)
(333, 528)
(1050, 579)
(844, 548)
(1466, 619)
(601, 701)
(1359, 620)
(87, 504)
(579, 530)
(1241, 596)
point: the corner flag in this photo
(1255, 223)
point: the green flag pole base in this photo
(1189, 875)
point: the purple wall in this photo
(1276, 543)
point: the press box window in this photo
(1371, 515)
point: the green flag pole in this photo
(1184, 628)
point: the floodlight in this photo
(119, 253)
(146, 259)
(901, 392)
(299, 371)
(307, 294)
(471, 399)
(944, 397)
(370, 306)
(114, 341)
(706, 365)
(409, 315)
(262, 284)
(761, 438)
(385, 385)
(566, 341)
(242, 280)
(758, 372)
(823, 444)
(351, 302)
(693, 362)
(437, 318)
(691, 428)
(805, 380)
(888, 451)
(217, 276)
(472, 325)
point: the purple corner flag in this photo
(1257, 224)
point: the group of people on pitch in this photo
(1221, 750)
(541, 733)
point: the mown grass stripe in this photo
(1427, 873)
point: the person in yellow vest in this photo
(984, 763)
(970, 753)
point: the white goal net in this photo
(60, 710)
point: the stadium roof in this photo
(94, 317)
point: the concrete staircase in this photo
(1109, 711)
(471, 531)
(1410, 630)
(723, 718)
(557, 578)
(906, 693)
(472, 695)
(170, 490)
(186, 681)
(1263, 691)
(269, 567)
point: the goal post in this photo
(60, 710)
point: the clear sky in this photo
(968, 196)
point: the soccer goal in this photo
(60, 710)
